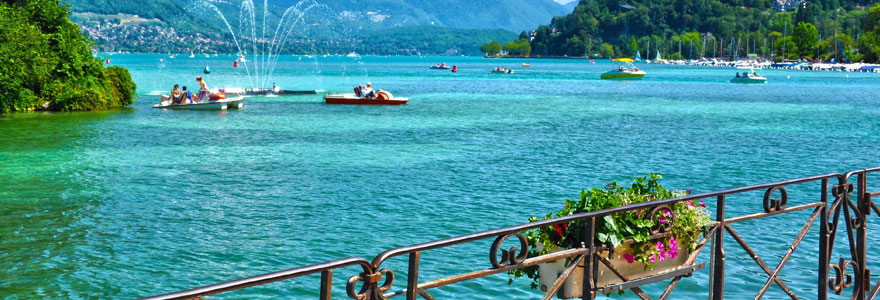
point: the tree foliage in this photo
(491, 49)
(694, 29)
(806, 38)
(45, 63)
(519, 47)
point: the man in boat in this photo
(737, 75)
(203, 91)
(185, 96)
(368, 91)
(175, 95)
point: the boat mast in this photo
(714, 47)
(784, 33)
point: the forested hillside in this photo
(691, 29)
(337, 26)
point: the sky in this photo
(564, 1)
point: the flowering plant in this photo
(683, 221)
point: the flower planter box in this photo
(573, 285)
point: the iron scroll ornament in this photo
(841, 279)
(370, 289)
(778, 204)
(663, 217)
(509, 257)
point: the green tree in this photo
(607, 51)
(632, 47)
(518, 48)
(806, 38)
(45, 63)
(491, 49)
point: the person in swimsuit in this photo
(203, 91)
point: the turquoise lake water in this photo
(140, 201)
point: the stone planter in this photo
(573, 285)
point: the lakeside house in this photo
(786, 5)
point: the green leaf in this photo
(609, 223)
(603, 237)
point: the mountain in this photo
(195, 26)
(512, 15)
(569, 7)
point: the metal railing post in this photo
(862, 281)
(326, 284)
(718, 260)
(412, 281)
(824, 255)
(589, 261)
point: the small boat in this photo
(353, 54)
(171, 56)
(624, 70)
(752, 77)
(207, 70)
(241, 59)
(440, 67)
(525, 64)
(222, 104)
(354, 99)
(191, 55)
(502, 71)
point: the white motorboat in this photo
(751, 77)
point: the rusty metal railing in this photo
(377, 282)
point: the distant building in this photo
(786, 5)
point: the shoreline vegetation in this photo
(46, 63)
(846, 31)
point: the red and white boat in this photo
(354, 99)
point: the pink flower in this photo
(689, 191)
(629, 258)
(690, 203)
(673, 248)
(662, 219)
(702, 204)
(652, 257)
(662, 250)
(667, 213)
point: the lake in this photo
(140, 201)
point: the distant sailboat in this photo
(638, 55)
(658, 56)
(207, 70)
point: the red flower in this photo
(558, 230)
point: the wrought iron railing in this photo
(377, 282)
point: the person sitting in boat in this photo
(737, 75)
(203, 91)
(175, 95)
(368, 91)
(622, 68)
(185, 96)
(755, 74)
